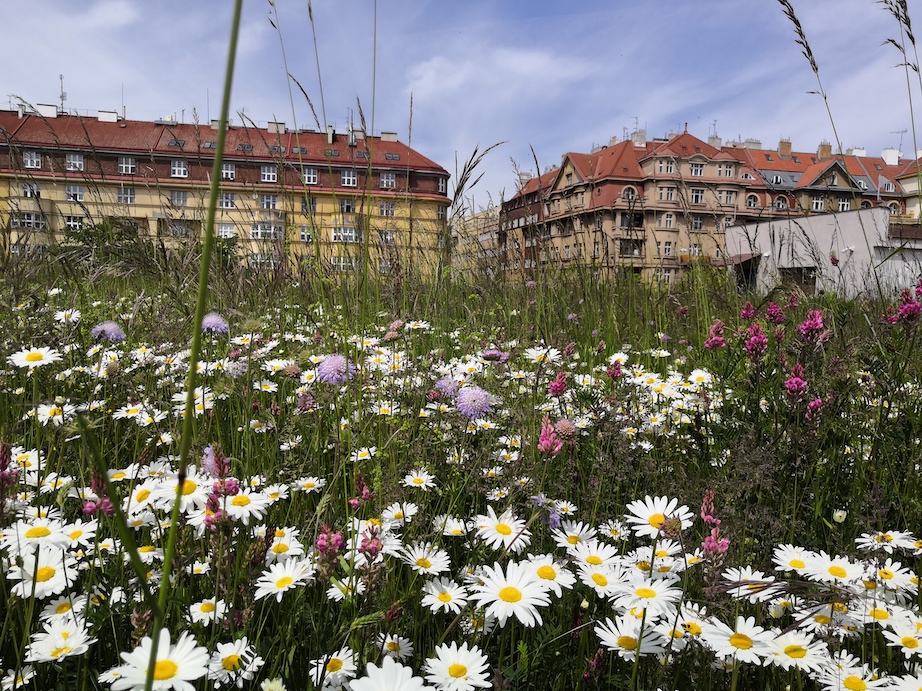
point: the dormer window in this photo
(776, 179)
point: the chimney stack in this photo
(824, 152)
(330, 134)
(784, 148)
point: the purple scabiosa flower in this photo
(446, 386)
(109, 331)
(214, 323)
(473, 402)
(335, 369)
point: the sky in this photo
(452, 79)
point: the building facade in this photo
(285, 195)
(656, 208)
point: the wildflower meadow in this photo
(557, 484)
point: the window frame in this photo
(348, 178)
(268, 173)
(127, 165)
(179, 168)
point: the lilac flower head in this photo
(473, 402)
(109, 331)
(446, 386)
(214, 323)
(335, 369)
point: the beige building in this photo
(338, 198)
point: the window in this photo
(443, 185)
(31, 190)
(387, 237)
(305, 233)
(227, 200)
(725, 170)
(385, 266)
(28, 219)
(888, 187)
(277, 149)
(266, 231)
(244, 147)
(695, 250)
(342, 263)
(697, 195)
(179, 198)
(667, 248)
(817, 204)
(845, 204)
(228, 171)
(179, 169)
(752, 201)
(697, 170)
(697, 223)
(226, 231)
(664, 275)
(331, 152)
(268, 174)
(629, 193)
(180, 229)
(441, 214)
(346, 234)
(127, 165)
(268, 201)
(569, 182)
(346, 206)
(665, 165)
(389, 181)
(596, 248)
(177, 142)
(73, 193)
(631, 220)
(209, 145)
(348, 178)
(894, 209)
(666, 194)
(73, 222)
(125, 195)
(32, 160)
(73, 162)
(391, 157)
(310, 176)
(776, 179)
(630, 248)
(726, 197)
(781, 203)
(308, 205)
(387, 209)
(668, 220)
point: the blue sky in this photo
(543, 77)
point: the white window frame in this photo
(389, 181)
(74, 222)
(668, 220)
(268, 201)
(125, 195)
(180, 228)
(697, 222)
(817, 203)
(443, 185)
(32, 160)
(347, 206)
(310, 176)
(667, 248)
(342, 263)
(387, 237)
(225, 231)
(73, 162)
(697, 195)
(227, 200)
(305, 233)
(348, 178)
(268, 174)
(127, 165)
(228, 171)
(665, 165)
(441, 213)
(752, 201)
(73, 193)
(261, 230)
(179, 198)
(31, 190)
(387, 208)
(346, 234)
(697, 170)
(781, 203)
(28, 219)
(845, 204)
(179, 169)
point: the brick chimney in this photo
(825, 151)
(784, 148)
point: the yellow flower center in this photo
(398, 515)
(37, 532)
(656, 520)
(444, 597)
(795, 651)
(284, 582)
(334, 665)
(280, 548)
(909, 642)
(165, 669)
(797, 564)
(692, 628)
(58, 652)
(837, 571)
(627, 642)
(240, 500)
(822, 619)
(593, 559)
(645, 593)
(547, 572)
(142, 494)
(119, 476)
(424, 563)
(418, 481)
(64, 608)
(188, 487)
(393, 646)
(886, 574)
(208, 607)
(643, 565)
(879, 614)
(231, 663)
(741, 641)
(34, 357)
(46, 573)
(503, 529)
(599, 579)
(573, 539)
(457, 670)
(145, 549)
(854, 683)
(510, 594)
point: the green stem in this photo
(160, 611)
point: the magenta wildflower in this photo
(715, 337)
(756, 343)
(812, 327)
(909, 308)
(814, 408)
(796, 385)
(559, 386)
(748, 312)
(774, 314)
(549, 444)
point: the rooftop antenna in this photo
(714, 125)
(636, 123)
(63, 93)
(901, 133)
